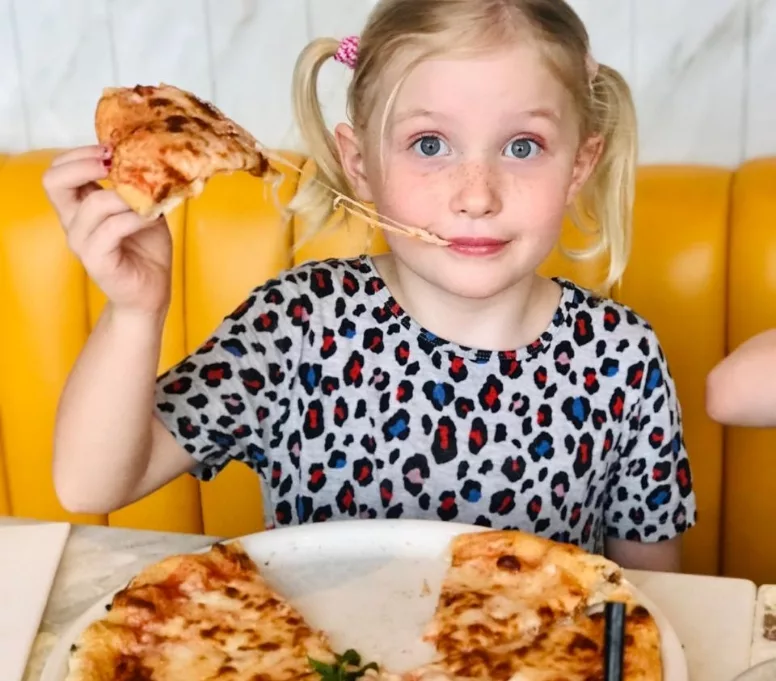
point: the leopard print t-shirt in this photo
(347, 408)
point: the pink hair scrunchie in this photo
(347, 53)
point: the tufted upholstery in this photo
(703, 272)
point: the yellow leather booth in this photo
(703, 272)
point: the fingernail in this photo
(106, 162)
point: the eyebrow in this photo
(541, 112)
(416, 113)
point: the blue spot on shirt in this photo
(654, 379)
(578, 410)
(398, 428)
(542, 448)
(474, 496)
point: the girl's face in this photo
(484, 152)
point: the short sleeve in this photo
(229, 398)
(650, 493)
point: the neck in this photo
(512, 319)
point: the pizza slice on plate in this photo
(514, 606)
(504, 588)
(571, 650)
(200, 616)
(167, 143)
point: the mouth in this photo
(477, 246)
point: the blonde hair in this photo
(425, 28)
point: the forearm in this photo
(741, 390)
(103, 428)
(664, 556)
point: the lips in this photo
(476, 242)
(477, 246)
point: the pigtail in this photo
(608, 196)
(317, 197)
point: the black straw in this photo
(614, 641)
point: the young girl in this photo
(437, 381)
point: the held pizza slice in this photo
(200, 616)
(167, 143)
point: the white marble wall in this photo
(702, 70)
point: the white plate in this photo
(371, 585)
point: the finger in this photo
(67, 177)
(93, 211)
(80, 153)
(66, 184)
(107, 238)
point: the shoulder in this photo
(593, 317)
(621, 339)
(311, 294)
(323, 278)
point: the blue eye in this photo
(522, 148)
(430, 146)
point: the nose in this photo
(476, 192)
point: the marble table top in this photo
(713, 616)
(96, 561)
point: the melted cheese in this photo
(511, 601)
(199, 617)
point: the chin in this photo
(478, 283)
(476, 277)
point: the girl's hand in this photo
(128, 257)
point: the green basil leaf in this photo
(327, 671)
(346, 667)
(350, 657)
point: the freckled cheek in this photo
(539, 200)
(410, 196)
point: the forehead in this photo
(517, 78)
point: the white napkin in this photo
(29, 558)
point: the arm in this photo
(741, 390)
(109, 450)
(665, 556)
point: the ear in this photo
(352, 158)
(588, 155)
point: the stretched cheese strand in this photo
(371, 217)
